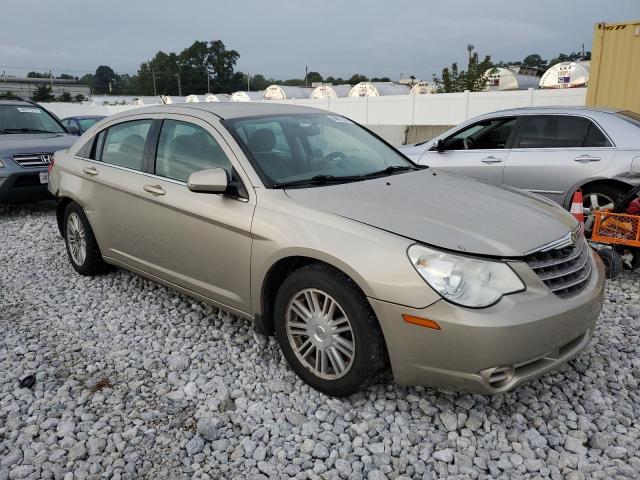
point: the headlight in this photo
(1, 164)
(466, 281)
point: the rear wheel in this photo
(82, 247)
(598, 197)
(327, 331)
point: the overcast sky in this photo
(278, 38)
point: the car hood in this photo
(12, 144)
(447, 211)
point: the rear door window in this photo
(184, 148)
(558, 131)
(124, 144)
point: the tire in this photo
(612, 262)
(79, 238)
(606, 195)
(368, 354)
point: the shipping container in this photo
(512, 78)
(331, 91)
(615, 66)
(378, 89)
(247, 96)
(286, 92)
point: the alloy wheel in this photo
(76, 238)
(593, 202)
(320, 334)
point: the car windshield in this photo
(311, 149)
(27, 119)
(86, 123)
(630, 116)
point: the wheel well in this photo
(61, 207)
(272, 281)
(624, 187)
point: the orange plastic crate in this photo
(616, 228)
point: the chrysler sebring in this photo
(320, 232)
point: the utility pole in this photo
(179, 86)
(248, 82)
(51, 79)
(153, 77)
(470, 50)
(208, 89)
(306, 74)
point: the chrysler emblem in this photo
(574, 238)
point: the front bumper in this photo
(492, 350)
(19, 184)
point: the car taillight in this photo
(53, 160)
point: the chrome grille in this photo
(33, 159)
(566, 271)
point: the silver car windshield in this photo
(313, 149)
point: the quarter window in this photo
(491, 134)
(556, 131)
(124, 144)
(184, 148)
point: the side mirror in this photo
(440, 145)
(72, 129)
(213, 180)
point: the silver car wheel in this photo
(593, 202)
(320, 334)
(76, 238)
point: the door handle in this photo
(90, 171)
(586, 158)
(154, 189)
(491, 159)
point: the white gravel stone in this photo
(134, 380)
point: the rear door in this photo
(552, 153)
(478, 150)
(114, 191)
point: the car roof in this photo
(555, 109)
(228, 110)
(16, 101)
(80, 117)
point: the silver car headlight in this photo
(466, 281)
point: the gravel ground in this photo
(135, 381)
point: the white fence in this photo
(405, 110)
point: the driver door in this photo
(479, 150)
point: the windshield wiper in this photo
(391, 170)
(318, 180)
(25, 130)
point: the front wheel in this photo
(327, 331)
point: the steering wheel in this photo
(332, 157)
(468, 143)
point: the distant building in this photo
(24, 87)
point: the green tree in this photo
(534, 60)
(259, 82)
(42, 94)
(314, 77)
(106, 81)
(64, 97)
(79, 98)
(473, 79)
(381, 79)
(357, 78)
(66, 76)
(38, 75)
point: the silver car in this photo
(312, 227)
(551, 151)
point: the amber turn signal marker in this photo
(423, 322)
